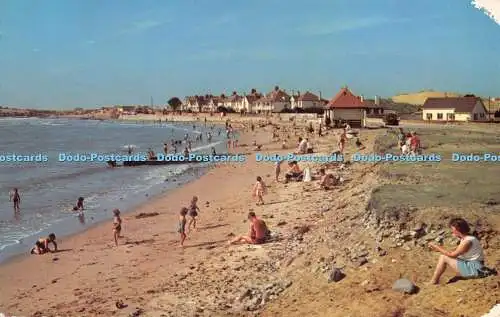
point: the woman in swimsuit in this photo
(193, 213)
(117, 225)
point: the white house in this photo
(275, 101)
(468, 108)
(306, 100)
(346, 107)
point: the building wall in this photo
(480, 112)
(450, 115)
(347, 115)
(442, 115)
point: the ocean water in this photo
(50, 189)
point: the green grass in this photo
(447, 184)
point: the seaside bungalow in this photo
(275, 101)
(306, 100)
(467, 108)
(346, 107)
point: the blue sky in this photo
(68, 53)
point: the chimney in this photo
(377, 100)
(320, 95)
(361, 98)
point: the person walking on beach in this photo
(278, 170)
(182, 224)
(342, 140)
(16, 199)
(117, 225)
(193, 213)
(259, 190)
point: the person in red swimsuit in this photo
(259, 233)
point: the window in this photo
(440, 116)
(450, 116)
(429, 116)
(482, 114)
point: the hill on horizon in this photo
(419, 98)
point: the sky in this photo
(67, 53)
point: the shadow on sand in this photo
(206, 244)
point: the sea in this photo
(49, 189)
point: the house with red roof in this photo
(346, 107)
(306, 100)
(467, 108)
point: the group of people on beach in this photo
(409, 143)
(467, 260)
(191, 211)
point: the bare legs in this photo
(116, 235)
(443, 262)
(192, 222)
(240, 239)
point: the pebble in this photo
(405, 286)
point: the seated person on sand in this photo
(302, 147)
(42, 245)
(309, 147)
(259, 233)
(294, 172)
(467, 260)
(327, 181)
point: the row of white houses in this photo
(274, 101)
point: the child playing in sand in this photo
(193, 213)
(182, 224)
(42, 245)
(259, 190)
(117, 225)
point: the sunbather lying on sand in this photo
(259, 233)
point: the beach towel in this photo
(307, 175)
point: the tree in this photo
(175, 103)
(254, 91)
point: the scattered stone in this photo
(336, 275)
(405, 286)
(361, 261)
(281, 223)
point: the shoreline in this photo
(68, 224)
(18, 255)
(101, 234)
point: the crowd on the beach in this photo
(466, 260)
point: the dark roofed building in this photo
(467, 108)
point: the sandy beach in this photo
(315, 232)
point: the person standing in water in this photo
(79, 203)
(16, 199)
